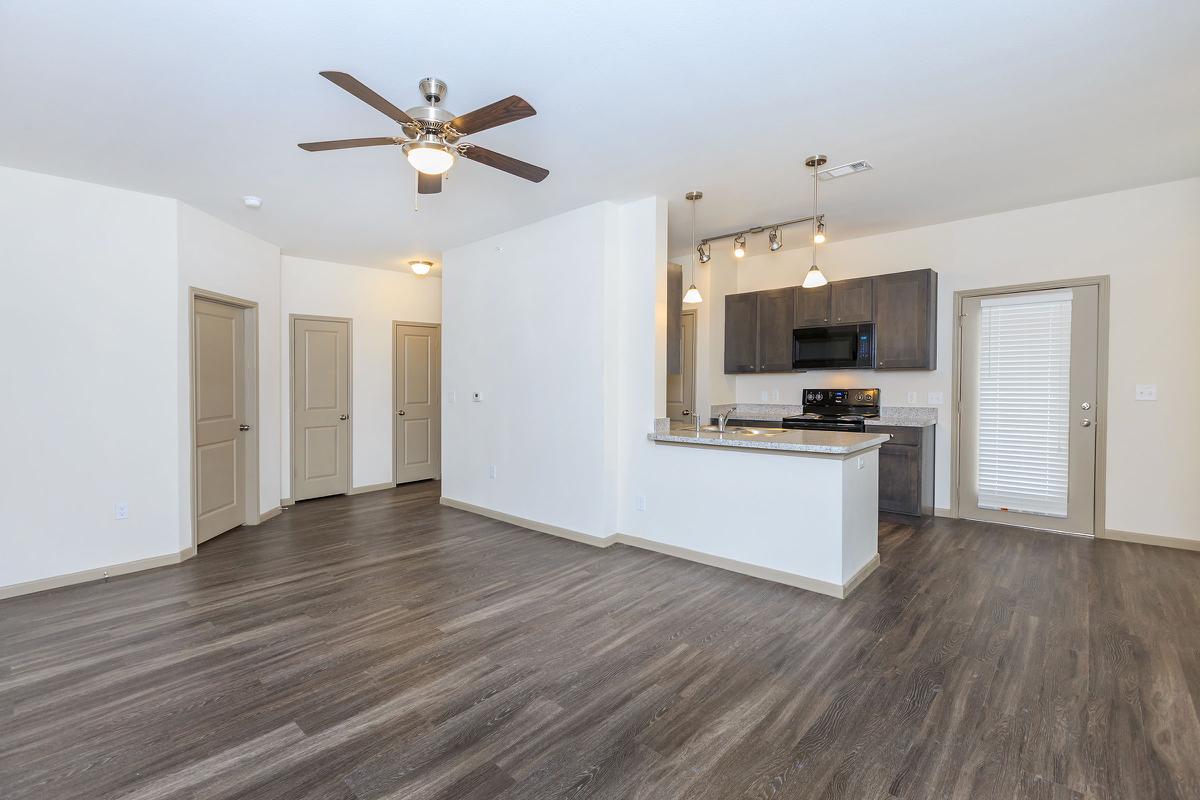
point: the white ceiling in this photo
(964, 108)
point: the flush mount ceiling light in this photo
(420, 267)
(814, 278)
(692, 295)
(775, 237)
(739, 245)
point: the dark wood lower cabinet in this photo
(906, 470)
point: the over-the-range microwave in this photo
(834, 347)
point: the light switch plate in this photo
(912, 397)
(477, 397)
(451, 397)
(1145, 391)
(764, 396)
(491, 470)
(936, 398)
(775, 396)
(121, 510)
(641, 502)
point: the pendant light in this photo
(813, 278)
(692, 295)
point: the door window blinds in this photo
(1024, 402)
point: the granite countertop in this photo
(819, 442)
(896, 416)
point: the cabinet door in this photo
(852, 301)
(900, 478)
(812, 306)
(906, 320)
(741, 332)
(775, 330)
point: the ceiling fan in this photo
(432, 135)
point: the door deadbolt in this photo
(1085, 406)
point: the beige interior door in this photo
(416, 453)
(1029, 410)
(320, 407)
(681, 388)
(219, 399)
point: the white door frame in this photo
(437, 392)
(292, 399)
(1102, 284)
(250, 412)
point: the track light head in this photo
(739, 246)
(705, 251)
(775, 237)
(819, 234)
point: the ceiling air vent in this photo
(843, 170)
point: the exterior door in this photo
(219, 400)
(681, 388)
(320, 407)
(416, 452)
(1029, 408)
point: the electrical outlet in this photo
(492, 471)
(477, 397)
(1145, 391)
(451, 397)
(121, 510)
(912, 397)
(764, 396)
(936, 398)
(775, 396)
(641, 502)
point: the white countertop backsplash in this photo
(899, 416)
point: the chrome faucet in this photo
(723, 418)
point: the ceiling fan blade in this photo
(506, 163)
(368, 96)
(428, 184)
(501, 112)
(342, 144)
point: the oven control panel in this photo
(841, 397)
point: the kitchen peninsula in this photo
(796, 507)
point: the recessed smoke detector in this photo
(844, 170)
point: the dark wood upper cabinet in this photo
(906, 320)
(741, 332)
(812, 306)
(775, 314)
(852, 301)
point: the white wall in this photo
(373, 299)
(525, 324)
(90, 405)
(1147, 240)
(220, 258)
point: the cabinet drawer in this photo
(901, 434)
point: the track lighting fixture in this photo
(705, 251)
(692, 295)
(819, 235)
(775, 237)
(739, 246)
(814, 278)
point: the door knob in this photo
(344, 416)
(687, 413)
(401, 412)
(243, 427)
(1087, 423)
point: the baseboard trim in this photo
(374, 487)
(533, 525)
(98, 573)
(266, 515)
(1150, 539)
(943, 512)
(840, 591)
(287, 502)
(741, 567)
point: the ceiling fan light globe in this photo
(431, 159)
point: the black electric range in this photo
(836, 410)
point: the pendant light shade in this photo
(814, 277)
(692, 295)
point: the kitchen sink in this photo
(743, 431)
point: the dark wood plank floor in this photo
(383, 646)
